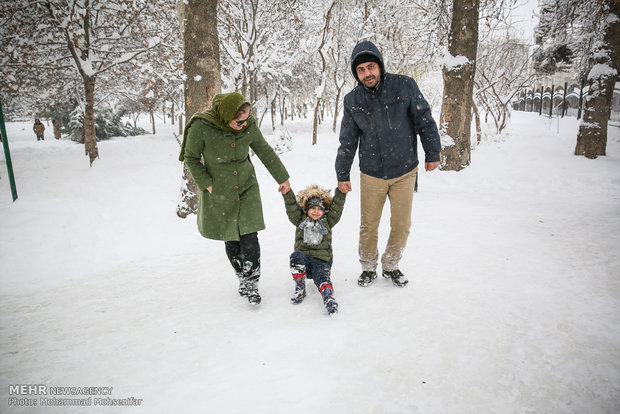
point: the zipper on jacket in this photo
(387, 111)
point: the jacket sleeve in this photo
(424, 124)
(194, 146)
(295, 213)
(269, 157)
(336, 208)
(349, 139)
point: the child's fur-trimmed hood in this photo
(314, 191)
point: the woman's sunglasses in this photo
(239, 123)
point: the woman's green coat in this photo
(233, 208)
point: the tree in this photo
(583, 37)
(320, 90)
(501, 72)
(458, 73)
(201, 67)
(338, 56)
(156, 77)
(592, 136)
(90, 37)
(257, 47)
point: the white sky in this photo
(525, 17)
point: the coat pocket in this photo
(396, 112)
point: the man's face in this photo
(368, 73)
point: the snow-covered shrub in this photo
(108, 124)
(283, 141)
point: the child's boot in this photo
(327, 291)
(300, 287)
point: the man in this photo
(39, 129)
(383, 115)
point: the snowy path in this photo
(513, 304)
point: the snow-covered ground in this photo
(513, 304)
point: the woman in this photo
(230, 207)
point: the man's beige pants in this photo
(373, 192)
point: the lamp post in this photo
(7, 155)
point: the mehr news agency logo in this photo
(32, 395)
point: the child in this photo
(314, 213)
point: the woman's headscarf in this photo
(224, 107)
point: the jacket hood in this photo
(314, 191)
(366, 48)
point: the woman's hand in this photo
(285, 187)
(210, 189)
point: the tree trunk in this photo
(90, 138)
(201, 60)
(315, 123)
(477, 121)
(455, 119)
(283, 108)
(152, 113)
(201, 66)
(324, 72)
(592, 136)
(273, 112)
(337, 107)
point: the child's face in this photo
(315, 213)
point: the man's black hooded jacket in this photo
(385, 122)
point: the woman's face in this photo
(240, 121)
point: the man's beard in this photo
(370, 82)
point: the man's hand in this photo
(285, 187)
(430, 166)
(344, 186)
